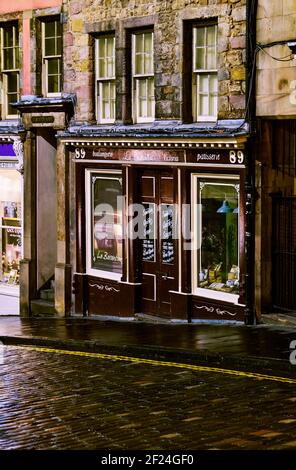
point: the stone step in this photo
(41, 307)
(47, 294)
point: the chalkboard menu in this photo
(167, 243)
(148, 232)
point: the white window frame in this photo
(198, 73)
(45, 59)
(196, 220)
(7, 72)
(104, 80)
(136, 77)
(88, 225)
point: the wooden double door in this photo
(158, 244)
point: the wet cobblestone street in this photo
(57, 401)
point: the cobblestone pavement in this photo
(58, 401)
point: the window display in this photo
(217, 254)
(10, 226)
(106, 222)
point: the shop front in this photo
(10, 229)
(160, 227)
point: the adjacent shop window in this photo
(52, 57)
(205, 80)
(10, 68)
(10, 226)
(143, 76)
(104, 223)
(105, 79)
(216, 237)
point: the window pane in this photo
(213, 105)
(150, 110)
(205, 55)
(211, 36)
(139, 40)
(143, 54)
(148, 57)
(10, 233)
(58, 28)
(213, 98)
(50, 47)
(167, 227)
(203, 105)
(17, 57)
(102, 68)
(8, 36)
(204, 83)
(211, 58)
(200, 37)
(106, 57)
(50, 29)
(12, 83)
(218, 258)
(12, 98)
(53, 66)
(59, 45)
(199, 58)
(8, 59)
(106, 223)
(139, 65)
(54, 76)
(53, 84)
(148, 243)
(142, 97)
(107, 100)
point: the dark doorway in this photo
(284, 253)
(158, 248)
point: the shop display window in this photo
(216, 254)
(104, 229)
(10, 226)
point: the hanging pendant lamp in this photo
(225, 208)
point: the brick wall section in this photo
(167, 17)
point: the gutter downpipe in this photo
(251, 16)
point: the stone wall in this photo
(276, 86)
(168, 18)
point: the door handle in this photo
(166, 276)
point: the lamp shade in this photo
(225, 208)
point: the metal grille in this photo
(284, 253)
(284, 145)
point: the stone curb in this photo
(270, 366)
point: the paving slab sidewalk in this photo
(263, 347)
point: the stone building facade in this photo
(275, 153)
(123, 103)
(30, 67)
(170, 19)
(160, 119)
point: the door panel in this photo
(158, 248)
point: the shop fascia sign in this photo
(202, 156)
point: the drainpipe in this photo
(251, 14)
